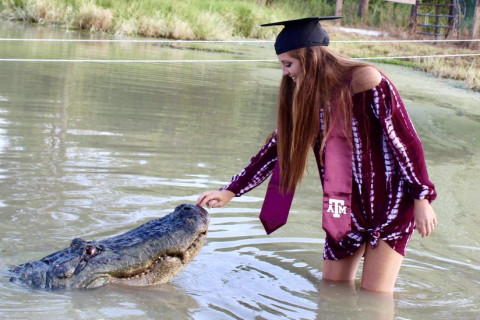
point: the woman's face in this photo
(290, 66)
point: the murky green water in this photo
(94, 149)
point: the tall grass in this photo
(187, 19)
(198, 19)
(381, 13)
(233, 19)
(465, 69)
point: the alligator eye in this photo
(91, 250)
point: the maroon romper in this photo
(389, 172)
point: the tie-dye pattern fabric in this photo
(389, 172)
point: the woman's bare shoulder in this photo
(365, 78)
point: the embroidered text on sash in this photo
(336, 207)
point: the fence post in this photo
(338, 10)
(363, 9)
(476, 26)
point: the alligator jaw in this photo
(162, 269)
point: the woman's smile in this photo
(291, 67)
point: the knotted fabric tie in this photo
(337, 185)
(276, 205)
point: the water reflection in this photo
(92, 150)
(366, 305)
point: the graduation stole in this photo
(337, 184)
(337, 190)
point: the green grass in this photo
(197, 19)
(188, 19)
(240, 19)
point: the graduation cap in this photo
(300, 33)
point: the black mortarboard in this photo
(300, 33)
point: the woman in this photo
(371, 161)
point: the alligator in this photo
(152, 253)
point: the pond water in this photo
(94, 149)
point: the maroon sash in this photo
(337, 185)
(276, 205)
(337, 191)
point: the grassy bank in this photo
(240, 19)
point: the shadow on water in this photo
(94, 149)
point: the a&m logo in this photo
(336, 207)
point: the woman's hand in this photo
(425, 218)
(215, 199)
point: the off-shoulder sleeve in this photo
(257, 170)
(403, 140)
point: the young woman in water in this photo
(376, 188)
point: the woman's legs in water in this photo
(344, 269)
(380, 267)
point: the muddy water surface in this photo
(94, 149)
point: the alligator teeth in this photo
(181, 256)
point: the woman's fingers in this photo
(215, 199)
(426, 228)
(203, 198)
(209, 198)
(212, 203)
(425, 218)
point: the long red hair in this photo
(325, 86)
